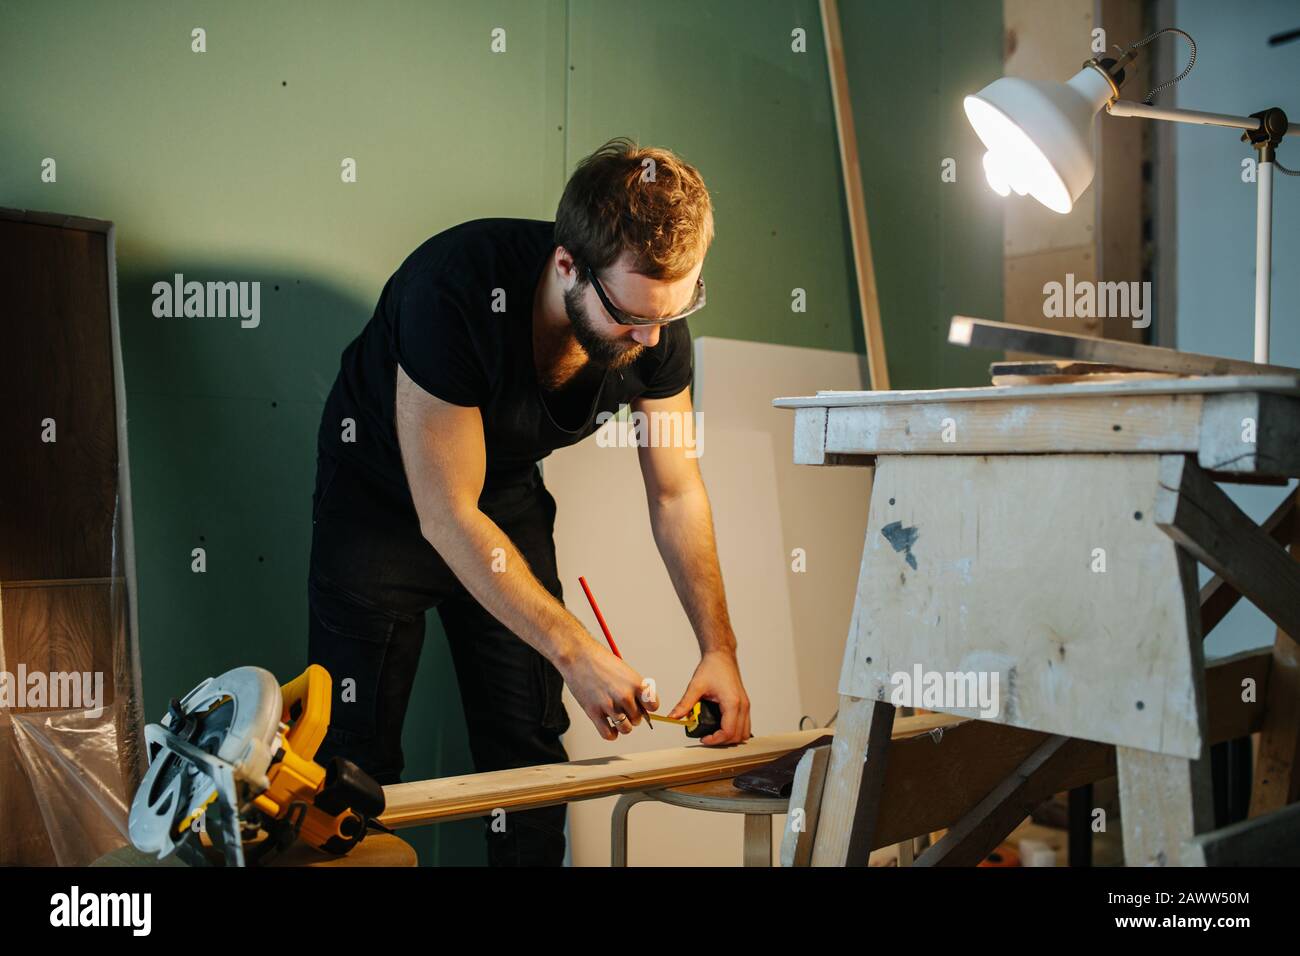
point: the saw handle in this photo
(307, 709)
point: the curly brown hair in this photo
(636, 199)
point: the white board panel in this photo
(791, 626)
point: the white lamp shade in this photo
(1039, 135)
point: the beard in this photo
(606, 353)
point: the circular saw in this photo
(234, 759)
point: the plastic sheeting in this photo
(72, 762)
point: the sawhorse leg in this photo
(1164, 801)
(854, 782)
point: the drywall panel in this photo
(790, 611)
(823, 511)
(603, 533)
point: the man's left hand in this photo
(717, 678)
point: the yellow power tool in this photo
(236, 758)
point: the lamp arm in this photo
(1147, 111)
(1197, 117)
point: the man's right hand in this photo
(605, 687)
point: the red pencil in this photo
(591, 599)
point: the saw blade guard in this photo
(233, 718)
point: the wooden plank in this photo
(1250, 433)
(1065, 372)
(805, 807)
(984, 334)
(477, 794)
(1073, 425)
(864, 268)
(1164, 802)
(1061, 367)
(1281, 384)
(1269, 840)
(1218, 597)
(1010, 381)
(939, 766)
(1122, 155)
(1277, 762)
(854, 782)
(1196, 514)
(943, 588)
(978, 832)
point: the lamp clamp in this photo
(1112, 69)
(1266, 137)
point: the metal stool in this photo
(718, 796)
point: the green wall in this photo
(225, 166)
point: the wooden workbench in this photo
(1049, 535)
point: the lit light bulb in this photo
(1039, 135)
(996, 174)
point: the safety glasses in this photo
(626, 318)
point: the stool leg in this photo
(618, 827)
(758, 839)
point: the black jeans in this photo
(373, 576)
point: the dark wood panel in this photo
(57, 499)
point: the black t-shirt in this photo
(457, 315)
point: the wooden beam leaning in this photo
(978, 833)
(805, 807)
(1269, 840)
(1061, 763)
(1204, 521)
(1218, 597)
(984, 334)
(937, 777)
(1277, 764)
(868, 298)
